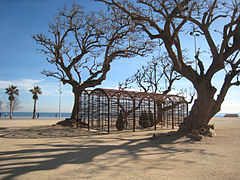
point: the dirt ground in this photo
(32, 149)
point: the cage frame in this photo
(100, 109)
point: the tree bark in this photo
(11, 107)
(77, 98)
(34, 109)
(74, 110)
(203, 109)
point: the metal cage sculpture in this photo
(112, 110)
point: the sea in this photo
(30, 114)
(55, 114)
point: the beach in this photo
(34, 149)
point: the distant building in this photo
(231, 115)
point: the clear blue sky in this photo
(21, 63)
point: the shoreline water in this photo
(5, 115)
(30, 114)
(30, 118)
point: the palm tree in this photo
(11, 91)
(35, 91)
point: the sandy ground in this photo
(28, 152)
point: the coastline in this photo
(30, 118)
(30, 114)
(65, 115)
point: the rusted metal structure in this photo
(111, 110)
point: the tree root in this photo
(72, 123)
(195, 135)
(162, 135)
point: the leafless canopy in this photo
(16, 105)
(82, 45)
(166, 20)
(154, 76)
(170, 21)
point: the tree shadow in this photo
(54, 155)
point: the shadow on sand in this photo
(50, 156)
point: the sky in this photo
(21, 63)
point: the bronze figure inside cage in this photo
(116, 110)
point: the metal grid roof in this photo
(111, 93)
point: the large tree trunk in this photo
(77, 98)
(203, 109)
(74, 110)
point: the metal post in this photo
(172, 117)
(92, 111)
(167, 117)
(195, 47)
(60, 97)
(154, 120)
(162, 117)
(194, 34)
(108, 115)
(84, 109)
(124, 113)
(88, 112)
(134, 115)
(98, 112)
(149, 109)
(178, 114)
(118, 109)
(77, 108)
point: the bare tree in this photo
(154, 76)
(14, 105)
(187, 94)
(82, 45)
(157, 76)
(168, 22)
